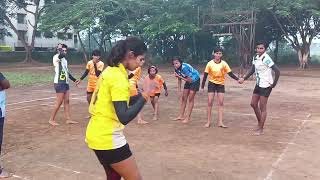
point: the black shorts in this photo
(262, 91)
(195, 86)
(108, 157)
(133, 99)
(157, 94)
(212, 87)
(61, 87)
(89, 93)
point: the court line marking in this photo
(276, 163)
(35, 100)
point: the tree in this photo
(299, 22)
(8, 9)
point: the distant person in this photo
(153, 79)
(191, 76)
(263, 66)
(94, 68)
(216, 69)
(4, 84)
(61, 85)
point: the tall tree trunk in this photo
(303, 55)
(83, 48)
(276, 51)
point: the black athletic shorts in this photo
(195, 86)
(61, 87)
(212, 87)
(108, 157)
(262, 91)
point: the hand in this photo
(166, 93)
(241, 80)
(176, 75)
(78, 81)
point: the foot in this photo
(259, 132)
(178, 118)
(222, 125)
(53, 123)
(255, 128)
(71, 122)
(155, 117)
(207, 125)
(185, 121)
(142, 122)
(4, 174)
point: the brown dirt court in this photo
(170, 150)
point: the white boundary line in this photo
(275, 164)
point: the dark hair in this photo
(96, 52)
(154, 67)
(64, 46)
(120, 49)
(265, 45)
(177, 58)
(218, 49)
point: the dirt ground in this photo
(169, 150)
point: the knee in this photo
(254, 105)
(184, 98)
(66, 101)
(263, 108)
(210, 103)
(191, 99)
(220, 104)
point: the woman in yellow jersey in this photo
(110, 112)
(93, 69)
(134, 78)
(216, 69)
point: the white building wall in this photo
(41, 42)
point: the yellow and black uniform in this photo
(109, 113)
(217, 72)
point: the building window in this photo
(61, 35)
(69, 35)
(75, 39)
(22, 35)
(21, 18)
(48, 34)
(38, 34)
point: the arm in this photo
(205, 75)
(249, 73)
(179, 84)
(130, 75)
(233, 76)
(276, 70)
(97, 72)
(165, 88)
(72, 78)
(127, 114)
(4, 83)
(85, 74)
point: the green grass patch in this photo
(18, 79)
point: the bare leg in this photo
(263, 108)
(254, 104)
(127, 169)
(140, 119)
(184, 101)
(156, 107)
(59, 100)
(209, 109)
(190, 106)
(66, 106)
(220, 110)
